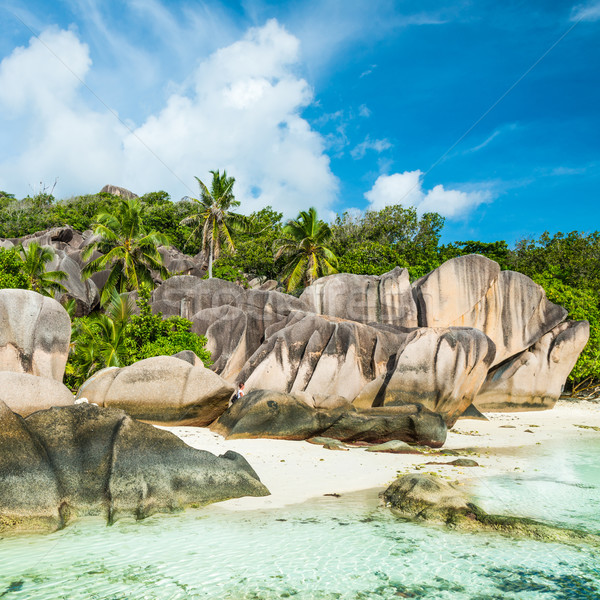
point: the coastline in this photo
(297, 471)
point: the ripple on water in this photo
(342, 549)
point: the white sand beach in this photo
(296, 471)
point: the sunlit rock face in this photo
(364, 298)
(35, 332)
(62, 463)
(455, 335)
(535, 377)
(471, 291)
(161, 389)
(441, 368)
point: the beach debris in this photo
(593, 427)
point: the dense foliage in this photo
(11, 273)
(117, 338)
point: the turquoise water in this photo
(330, 548)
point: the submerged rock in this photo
(61, 463)
(422, 497)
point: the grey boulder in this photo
(62, 463)
(534, 379)
(162, 389)
(35, 332)
(25, 394)
(383, 299)
(268, 414)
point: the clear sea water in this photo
(330, 548)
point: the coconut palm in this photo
(214, 221)
(98, 340)
(130, 252)
(35, 258)
(305, 248)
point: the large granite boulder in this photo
(442, 369)
(35, 332)
(48, 237)
(234, 320)
(62, 463)
(176, 261)
(320, 355)
(25, 394)
(534, 379)
(115, 190)
(162, 389)
(269, 414)
(471, 291)
(83, 291)
(364, 298)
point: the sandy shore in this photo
(298, 471)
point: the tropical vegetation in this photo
(213, 219)
(305, 250)
(127, 249)
(292, 253)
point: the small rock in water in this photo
(528, 431)
(507, 427)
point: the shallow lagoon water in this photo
(329, 548)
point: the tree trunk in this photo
(210, 260)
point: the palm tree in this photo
(98, 340)
(306, 250)
(128, 250)
(214, 220)
(35, 258)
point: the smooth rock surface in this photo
(84, 460)
(442, 369)
(471, 291)
(534, 379)
(364, 298)
(268, 414)
(35, 332)
(320, 355)
(25, 394)
(162, 389)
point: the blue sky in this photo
(340, 105)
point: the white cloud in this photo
(364, 111)
(241, 113)
(378, 146)
(407, 189)
(586, 12)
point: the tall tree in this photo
(214, 220)
(35, 258)
(305, 248)
(128, 250)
